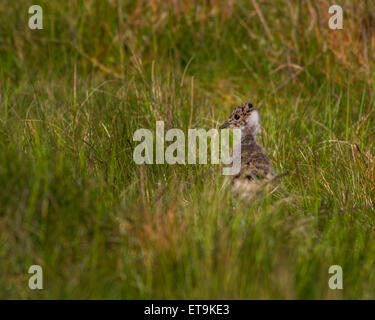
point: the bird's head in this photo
(246, 118)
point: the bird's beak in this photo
(224, 125)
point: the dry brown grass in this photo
(354, 45)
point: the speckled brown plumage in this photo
(256, 167)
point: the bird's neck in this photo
(248, 140)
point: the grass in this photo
(73, 201)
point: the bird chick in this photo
(256, 168)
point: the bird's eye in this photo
(236, 116)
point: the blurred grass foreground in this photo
(74, 202)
